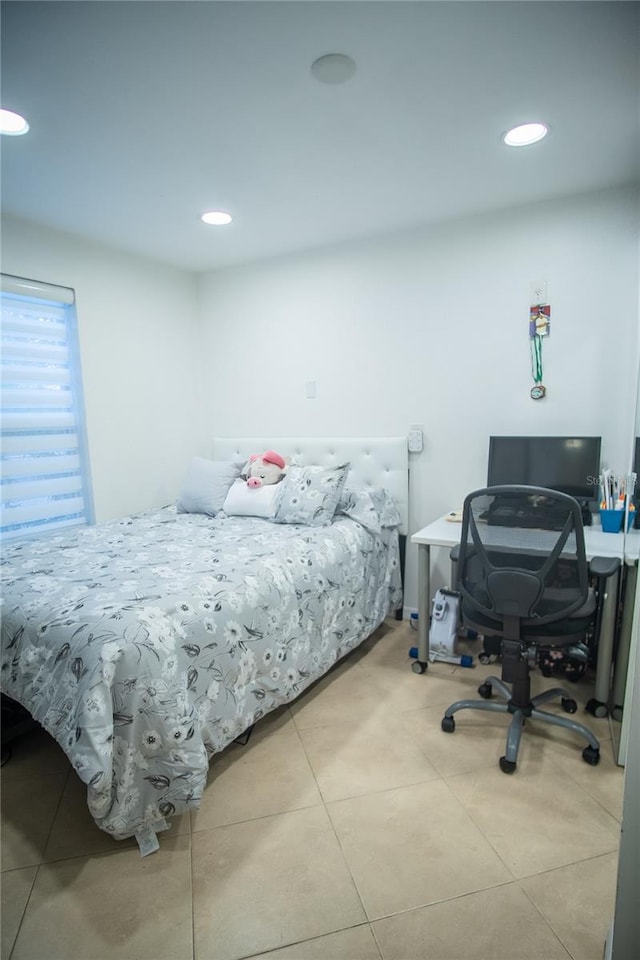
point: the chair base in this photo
(521, 712)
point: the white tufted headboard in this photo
(375, 461)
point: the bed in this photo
(147, 644)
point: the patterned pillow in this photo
(387, 508)
(310, 495)
(359, 505)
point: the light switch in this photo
(310, 390)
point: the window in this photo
(45, 469)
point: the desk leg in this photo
(624, 645)
(599, 705)
(424, 593)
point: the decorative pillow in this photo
(206, 485)
(245, 501)
(359, 505)
(387, 508)
(310, 495)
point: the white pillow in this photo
(245, 501)
(206, 485)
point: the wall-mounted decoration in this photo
(539, 328)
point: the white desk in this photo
(446, 533)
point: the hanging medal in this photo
(539, 328)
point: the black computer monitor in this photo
(568, 464)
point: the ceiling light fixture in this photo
(333, 68)
(216, 218)
(525, 134)
(12, 123)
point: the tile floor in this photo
(349, 827)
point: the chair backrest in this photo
(522, 554)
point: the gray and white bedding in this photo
(147, 644)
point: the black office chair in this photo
(523, 577)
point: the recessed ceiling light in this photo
(12, 123)
(216, 218)
(525, 134)
(333, 68)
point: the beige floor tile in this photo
(111, 907)
(266, 883)
(271, 879)
(390, 645)
(578, 902)
(15, 888)
(537, 818)
(357, 943)
(478, 740)
(604, 783)
(74, 832)
(269, 775)
(29, 806)
(364, 757)
(411, 846)
(401, 689)
(496, 924)
(581, 692)
(391, 634)
(345, 665)
(345, 696)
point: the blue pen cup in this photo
(611, 520)
(630, 518)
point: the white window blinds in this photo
(45, 477)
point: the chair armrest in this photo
(604, 567)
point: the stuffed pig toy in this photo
(265, 468)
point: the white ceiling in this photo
(146, 114)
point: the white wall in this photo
(431, 327)
(138, 343)
(425, 327)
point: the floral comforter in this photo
(147, 644)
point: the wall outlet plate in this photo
(538, 292)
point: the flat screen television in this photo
(568, 464)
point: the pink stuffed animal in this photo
(265, 468)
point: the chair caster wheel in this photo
(507, 766)
(484, 657)
(568, 705)
(591, 755)
(448, 724)
(486, 691)
(418, 666)
(597, 708)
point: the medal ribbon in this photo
(536, 358)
